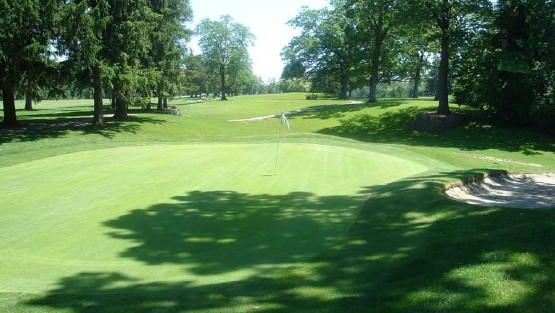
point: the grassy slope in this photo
(408, 250)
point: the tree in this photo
(293, 68)
(106, 42)
(298, 84)
(416, 47)
(451, 18)
(376, 20)
(224, 43)
(196, 73)
(25, 35)
(509, 68)
(168, 51)
(325, 48)
(526, 63)
(239, 73)
(82, 40)
(128, 45)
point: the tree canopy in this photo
(224, 45)
(496, 55)
(26, 30)
(493, 54)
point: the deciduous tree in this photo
(325, 48)
(509, 69)
(452, 18)
(376, 20)
(224, 44)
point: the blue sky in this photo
(266, 19)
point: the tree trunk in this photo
(374, 73)
(165, 102)
(222, 80)
(121, 109)
(443, 78)
(8, 97)
(121, 105)
(443, 75)
(28, 101)
(373, 95)
(159, 105)
(379, 37)
(98, 117)
(418, 76)
(344, 83)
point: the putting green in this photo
(200, 214)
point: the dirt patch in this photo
(526, 191)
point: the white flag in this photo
(284, 120)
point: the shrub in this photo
(312, 97)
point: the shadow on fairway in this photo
(335, 111)
(223, 231)
(396, 127)
(66, 112)
(37, 129)
(410, 250)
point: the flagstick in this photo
(283, 120)
(277, 151)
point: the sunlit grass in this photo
(192, 213)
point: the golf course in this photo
(224, 208)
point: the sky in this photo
(266, 19)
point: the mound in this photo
(509, 190)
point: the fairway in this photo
(200, 213)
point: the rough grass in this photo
(169, 214)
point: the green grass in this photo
(191, 214)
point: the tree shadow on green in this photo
(411, 249)
(251, 231)
(214, 232)
(439, 255)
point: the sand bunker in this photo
(509, 190)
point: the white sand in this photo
(514, 190)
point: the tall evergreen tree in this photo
(128, 44)
(168, 51)
(105, 43)
(82, 40)
(26, 29)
